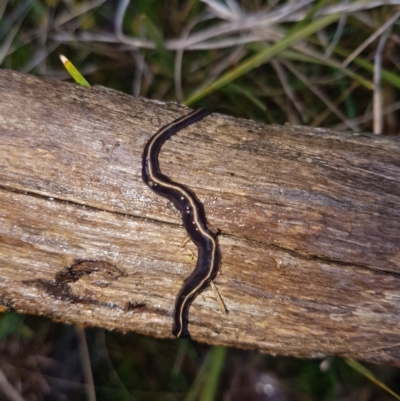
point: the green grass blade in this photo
(75, 74)
(198, 383)
(388, 76)
(216, 365)
(318, 5)
(206, 383)
(164, 56)
(370, 376)
(264, 55)
(296, 55)
(234, 89)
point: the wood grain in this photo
(309, 221)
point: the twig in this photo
(377, 101)
(8, 389)
(368, 41)
(87, 368)
(320, 95)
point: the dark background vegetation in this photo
(203, 53)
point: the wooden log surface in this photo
(309, 221)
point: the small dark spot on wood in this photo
(59, 288)
(87, 267)
(142, 307)
(55, 288)
(134, 306)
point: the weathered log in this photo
(309, 221)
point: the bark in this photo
(309, 221)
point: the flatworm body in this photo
(193, 217)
